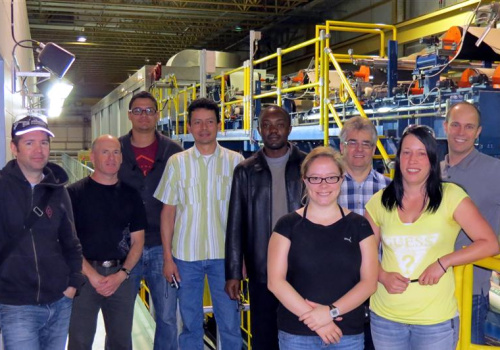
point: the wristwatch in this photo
(126, 271)
(334, 311)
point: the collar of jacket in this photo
(261, 162)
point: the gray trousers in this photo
(117, 312)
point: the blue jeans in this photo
(36, 327)
(480, 306)
(303, 342)
(389, 335)
(227, 315)
(150, 267)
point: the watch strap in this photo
(126, 271)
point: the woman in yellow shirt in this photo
(417, 218)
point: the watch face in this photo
(334, 313)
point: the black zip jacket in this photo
(49, 257)
(250, 213)
(131, 174)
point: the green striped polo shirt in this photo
(200, 188)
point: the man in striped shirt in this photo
(195, 189)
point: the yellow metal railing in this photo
(323, 57)
(463, 290)
(352, 95)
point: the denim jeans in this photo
(480, 306)
(389, 335)
(190, 293)
(150, 267)
(264, 316)
(117, 312)
(36, 327)
(303, 342)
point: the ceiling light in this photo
(60, 90)
(238, 28)
(81, 39)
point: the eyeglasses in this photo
(139, 111)
(356, 144)
(316, 180)
(413, 127)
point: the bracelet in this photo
(439, 262)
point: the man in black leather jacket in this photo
(265, 187)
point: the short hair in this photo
(17, 138)
(358, 123)
(275, 109)
(394, 192)
(464, 103)
(142, 94)
(322, 152)
(204, 103)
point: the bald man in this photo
(110, 220)
(477, 173)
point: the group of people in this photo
(317, 235)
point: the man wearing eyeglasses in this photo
(358, 138)
(265, 187)
(477, 173)
(145, 154)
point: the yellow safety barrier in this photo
(323, 57)
(463, 291)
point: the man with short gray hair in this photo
(358, 140)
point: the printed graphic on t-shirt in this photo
(124, 245)
(410, 250)
(145, 164)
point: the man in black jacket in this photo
(145, 154)
(40, 255)
(265, 187)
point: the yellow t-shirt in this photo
(409, 249)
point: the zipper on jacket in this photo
(34, 252)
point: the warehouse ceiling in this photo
(124, 35)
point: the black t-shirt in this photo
(323, 264)
(104, 217)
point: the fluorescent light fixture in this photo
(60, 90)
(81, 39)
(55, 59)
(55, 107)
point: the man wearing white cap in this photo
(40, 255)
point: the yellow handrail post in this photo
(185, 111)
(222, 97)
(355, 100)
(279, 83)
(320, 78)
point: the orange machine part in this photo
(464, 79)
(299, 78)
(363, 73)
(496, 78)
(452, 36)
(416, 90)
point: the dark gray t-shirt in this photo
(478, 175)
(279, 201)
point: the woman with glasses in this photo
(418, 218)
(322, 264)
